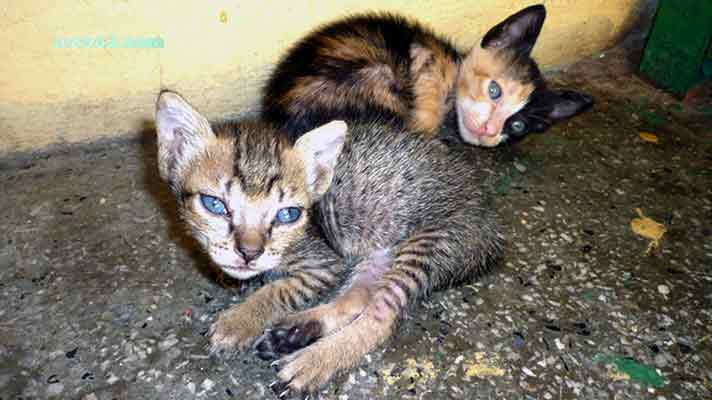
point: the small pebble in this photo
(71, 353)
(660, 360)
(684, 349)
(112, 379)
(559, 344)
(664, 290)
(168, 343)
(207, 384)
(55, 389)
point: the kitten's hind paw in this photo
(286, 339)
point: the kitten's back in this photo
(358, 68)
(389, 183)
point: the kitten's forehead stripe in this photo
(258, 162)
(274, 179)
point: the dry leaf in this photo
(649, 137)
(481, 367)
(649, 229)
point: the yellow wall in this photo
(217, 53)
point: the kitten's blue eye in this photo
(288, 215)
(494, 90)
(213, 204)
(518, 126)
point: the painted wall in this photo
(58, 85)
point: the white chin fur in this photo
(239, 273)
(233, 265)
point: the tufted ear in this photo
(319, 150)
(518, 32)
(182, 134)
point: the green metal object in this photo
(677, 55)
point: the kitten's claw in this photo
(286, 339)
(280, 388)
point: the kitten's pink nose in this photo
(251, 244)
(250, 253)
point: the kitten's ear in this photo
(319, 149)
(568, 103)
(182, 133)
(519, 31)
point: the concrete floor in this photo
(102, 296)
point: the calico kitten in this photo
(385, 64)
(385, 215)
(544, 109)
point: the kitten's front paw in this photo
(286, 338)
(307, 370)
(235, 329)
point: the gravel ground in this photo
(102, 295)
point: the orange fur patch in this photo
(351, 48)
(435, 74)
(374, 87)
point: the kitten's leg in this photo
(462, 246)
(311, 267)
(299, 330)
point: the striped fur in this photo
(399, 217)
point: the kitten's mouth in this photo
(478, 129)
(240, 271)
(232, 264)
(477, 135)
(237, 267)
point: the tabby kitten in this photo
(388, 65)
(382, 214)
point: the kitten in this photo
(385, 215)
(385, 64)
